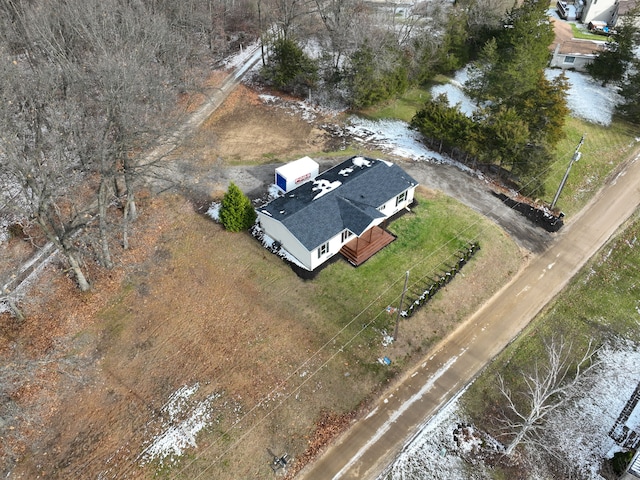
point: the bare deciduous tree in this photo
(287, 14)
(338, 18)
(549, 384)
(38, 149)
(91, 85)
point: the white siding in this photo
(291, 244)
(579, 62)
(298, 172)
(598, 10)
(277, 231)
(390, 208)
(335, 244)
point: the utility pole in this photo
(406, 281)
(575, 158)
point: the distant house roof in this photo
(346, 196)
(581, 47)
(626, 6)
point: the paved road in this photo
(373, 442)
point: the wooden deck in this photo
(366, 246)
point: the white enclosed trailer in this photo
(294, 174)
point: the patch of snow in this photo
(577, 433)
(268, 98)
(580, 431)
(397, 413)
(588, 99)
(273, 192)
(397, 138)
(182, 420)
(361, 162)
(214, 211)
(242, 56)
(313, 49)
(455, 93)
(270, 244)
(307, 109)
(386, 339)
(323, 187)
(433, 452)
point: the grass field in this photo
(583, 34)
(276, 359)
(402, 108)
(437, 228)
(603, 150)
(341, 316)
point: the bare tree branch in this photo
(548, 386)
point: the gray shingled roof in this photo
(344, 197)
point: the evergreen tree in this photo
(532, 168)
(453, 53)
(444, 126)
(376, 76)
(544, 109)
(289, 69)
(505, 136)
(629, 109)
(511, 63)
(611, 64)
(236, 211)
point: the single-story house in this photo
(575, 54)
(339, 211)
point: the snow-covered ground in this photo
(454, 93)
(578, 433)
(178, 425)
(586, 99)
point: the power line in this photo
(133, 461)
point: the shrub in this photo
(236, 211)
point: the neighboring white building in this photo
(609, 11)
(339, 212)
(633, 471)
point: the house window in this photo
(569, 59)
(346, 234)
(401, 198)
(323, 249)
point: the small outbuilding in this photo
(339, 211)
(294, 174)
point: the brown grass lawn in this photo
(192, 304)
